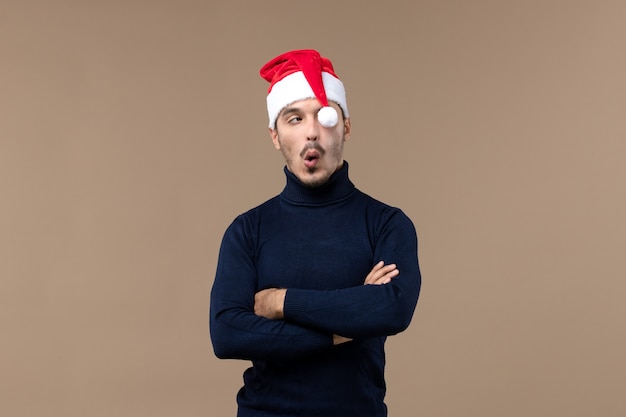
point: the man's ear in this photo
(347, 128)
(274, 136)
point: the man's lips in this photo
(311, 154)
(310, 158)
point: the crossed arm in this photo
(269, 303)
(279, 323)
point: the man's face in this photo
(312, 152)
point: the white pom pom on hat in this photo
(327, 116)
(302, 74)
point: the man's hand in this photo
(269, 303)
(381, 274)
(337, 340)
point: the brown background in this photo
(132, 133)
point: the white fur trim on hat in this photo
(295, 87)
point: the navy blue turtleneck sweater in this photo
(320, 244)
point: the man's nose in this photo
(313, 129)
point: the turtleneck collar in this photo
(337, 188)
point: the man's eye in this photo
(294, 119)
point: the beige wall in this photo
(132, 132)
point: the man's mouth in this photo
(310, 158)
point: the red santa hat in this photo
(302, 74)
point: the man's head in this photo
(308, 114)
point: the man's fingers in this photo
(381, 274)
(371, 277)
(269, 303)
(337, 340)
(387, 277)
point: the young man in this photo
(310, 283)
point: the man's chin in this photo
(312, 178)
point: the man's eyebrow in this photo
(289, 110)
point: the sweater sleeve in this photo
(238, 333)
(366, 310)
